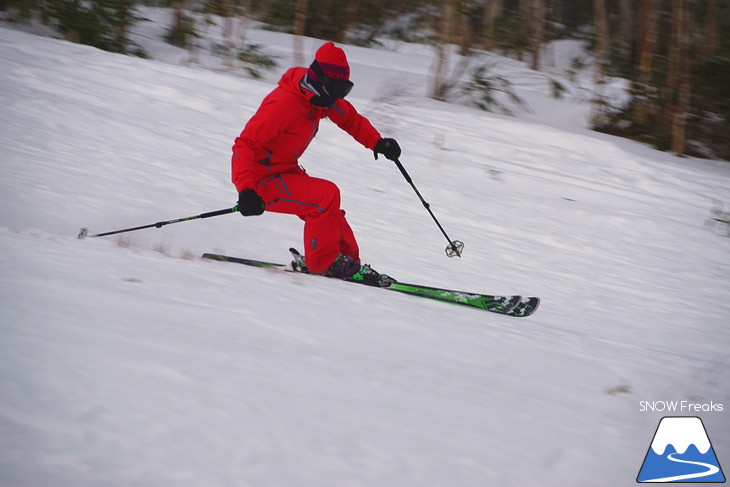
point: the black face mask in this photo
(323, 101)
(334, 88)
(320, 98)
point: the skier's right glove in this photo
(388, 147)
(250, 203)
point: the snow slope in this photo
(128, 361)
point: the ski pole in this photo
(455, 246)
(85, 231)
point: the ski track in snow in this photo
(129, 361)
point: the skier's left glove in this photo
(388, 147)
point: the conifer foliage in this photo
(675, 54)
(100, 23)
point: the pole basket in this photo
(455, 249)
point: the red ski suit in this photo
(265, 159)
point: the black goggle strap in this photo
(337, 88)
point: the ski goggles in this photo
(336, 88)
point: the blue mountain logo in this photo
(681, 452)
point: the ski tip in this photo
(512, 303)
(525, 307)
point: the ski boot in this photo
(297, 263)
(347, 268)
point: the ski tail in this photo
(238, 260)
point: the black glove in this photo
(388, 147)
(250, 203)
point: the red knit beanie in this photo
(333, 61)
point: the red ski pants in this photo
(317, 202)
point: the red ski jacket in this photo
(281, 129)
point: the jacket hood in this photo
(290, 82)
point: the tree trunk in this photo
(601, 21)
(229, 46)
(626, 30)
(349, 17)
(681, 64)
(525, 22)
(300, 18)
(712, 34)
(125, 12)
(492, 10)
(647, 45)
(538, 14)
(446, 27)
(394, 6)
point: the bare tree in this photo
(453, 26)
(445, 30)
(712, 31)
(679, 74)
(601, 21)
(182, 32)
(492, 10)
(625, 28)
(647, 45)
(300, 18)
(538, 14)
(229, 45)
(525, 9)
(125, 12)
(349, 16)
(235, 24)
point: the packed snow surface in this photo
(129, 361)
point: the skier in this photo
(267, 175)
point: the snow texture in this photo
(129, 361)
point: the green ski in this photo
(511, 305)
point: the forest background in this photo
(674, 54)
